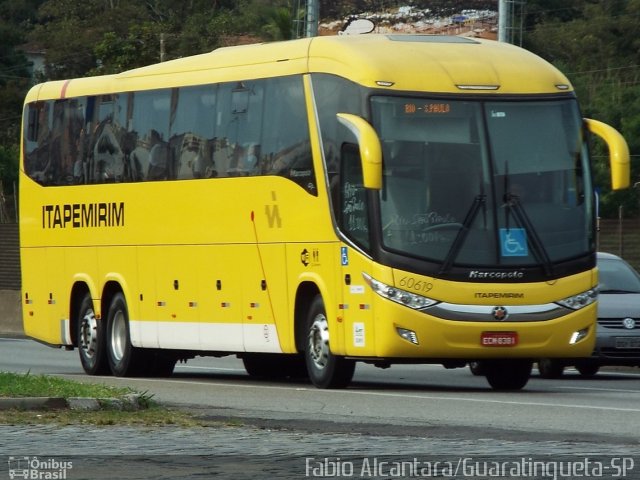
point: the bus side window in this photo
(285, 148)
(32, 123)
(36, 143)
(158, 157)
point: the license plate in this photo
(627, 342)
(499, 339)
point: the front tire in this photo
(588, 369)
(90, 339)
(550, 369)
(325, 369)
(477, 368)
(507, 375)
(124, 359)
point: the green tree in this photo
(176, 29)
(279, 24)
(598, 47)
(140, 46)
(72, 29)
(15, 79)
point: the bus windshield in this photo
(484, 183)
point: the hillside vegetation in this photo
(595, 42)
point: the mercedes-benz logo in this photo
(629, 323)
(499, 313)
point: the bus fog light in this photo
(579, 335)
(408, 335)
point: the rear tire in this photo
(550, 369)
(326, 370)
(124, 359)
(90, 339)
(505, 375)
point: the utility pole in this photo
(506, 20)
(503, 20)
(162, 47)
(312, 17)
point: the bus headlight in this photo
(576, 302)
(408, 299)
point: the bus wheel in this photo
(550, 369)
(508, 374)
(124, 359)
(588, 369)
(326, 370)
(477, 368)
(90, 338)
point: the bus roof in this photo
(425, 63)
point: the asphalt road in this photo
(403, 422)
(404, 399)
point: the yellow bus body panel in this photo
(366, 60)
(216, 264)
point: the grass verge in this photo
(28, 385)
(13, 385)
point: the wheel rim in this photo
(89, 334)
(118, 336)
(319, 341)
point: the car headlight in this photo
(408, 299)
(581, 300)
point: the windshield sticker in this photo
(513, 242)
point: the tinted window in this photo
(336, 95)
(247, 128)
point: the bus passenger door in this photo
(353, 219)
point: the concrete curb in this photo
(33, 403)
(130, 402)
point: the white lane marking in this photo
(393, 395)
(595, 389)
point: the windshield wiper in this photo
(478, 202)
(512, 202)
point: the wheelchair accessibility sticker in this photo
(513, 242)
(344, 256)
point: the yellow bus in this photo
(310, 204)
